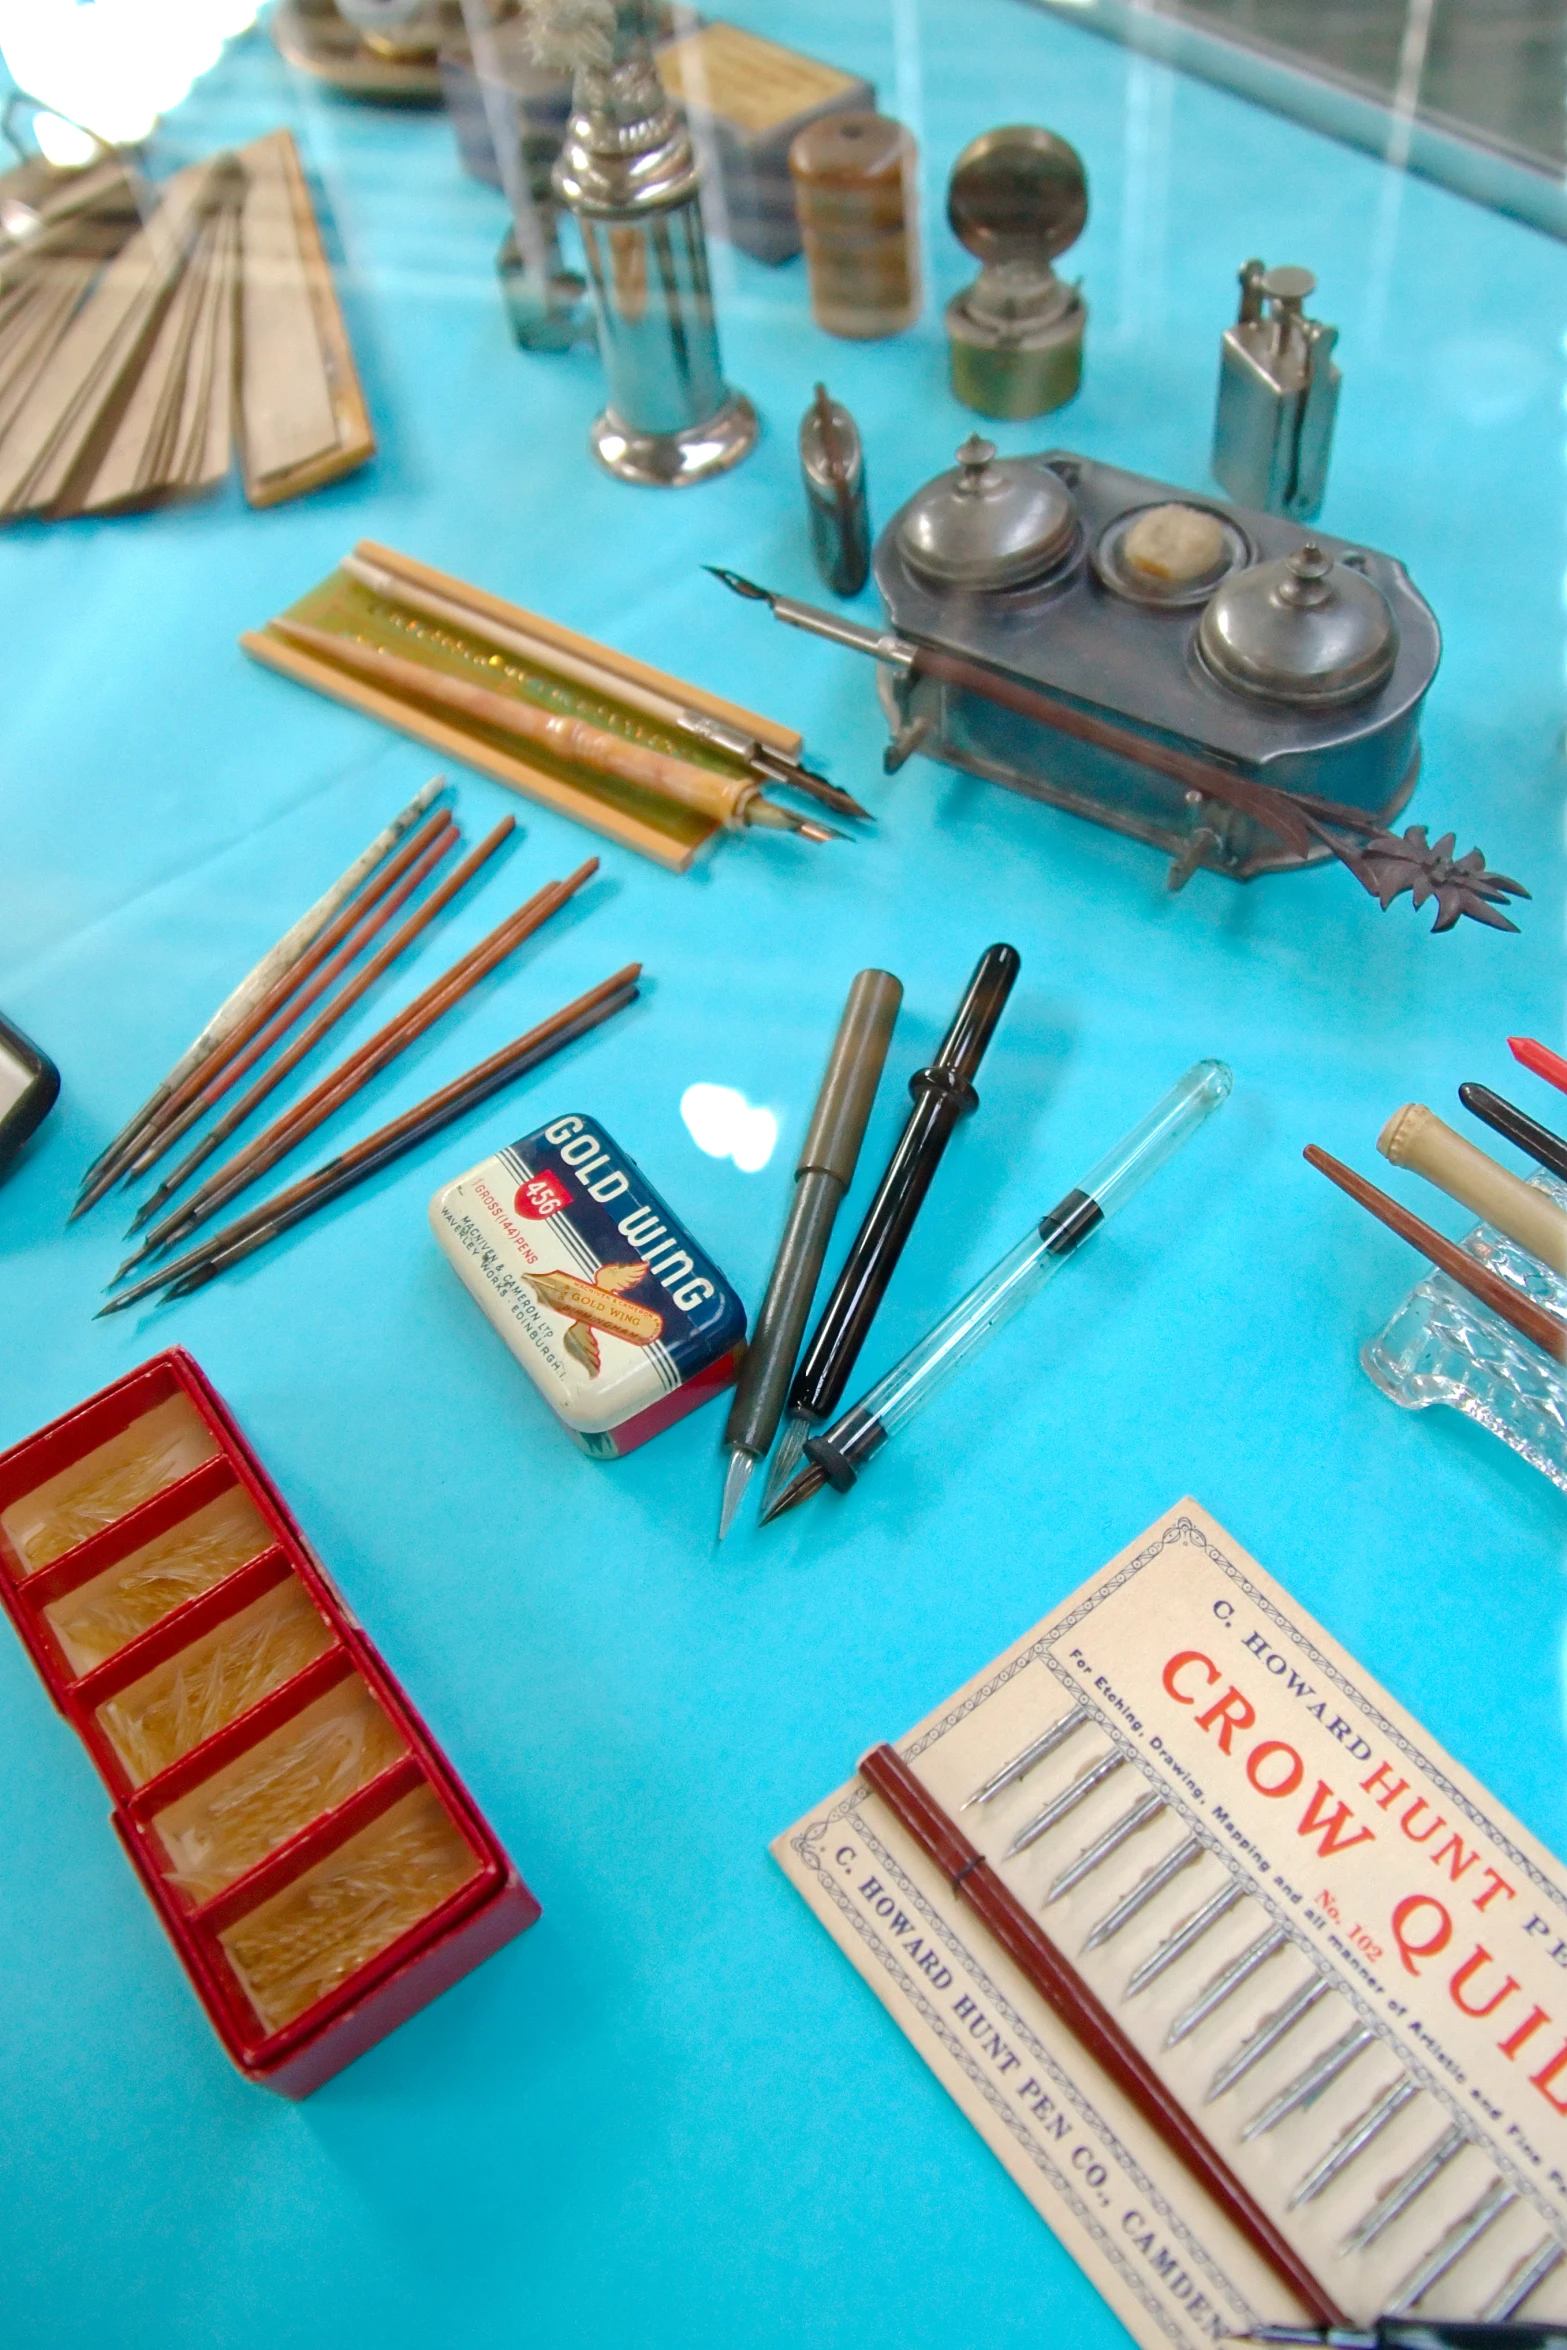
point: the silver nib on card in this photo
(1334, 2337)
(1403, 2191)
(1310, 2084)
(1082, 1786)
(1451, 2247)
(1185, 1938)
(1229, 1979)
(1266, 2037)
(1021, 1764)
(1163, 1873)
(1354, 2141)
(1528, 2276)
(1146, 1809)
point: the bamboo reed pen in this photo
(368, 914)
(675, 847)
(478, 601)
(288, 1131)
(325, 1021)
(365, 1158)
(448, 612)
(1542, 1329)
(735, 801)
(1091, 2023)
(595, 673)
(277, 961)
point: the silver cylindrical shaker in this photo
(628, 172)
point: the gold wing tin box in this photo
(617, 1314)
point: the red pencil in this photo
(1540, 1058)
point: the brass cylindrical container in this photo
(856, 192)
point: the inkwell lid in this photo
(1307, 631)
(991, 523)
(1019, 194)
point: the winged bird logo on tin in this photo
(599, 1304)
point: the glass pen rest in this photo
(1444, 1346)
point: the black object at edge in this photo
(33, 1105)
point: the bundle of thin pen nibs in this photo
(303, 968)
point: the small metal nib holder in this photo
(628, 172)
(545, 301)
(1444, 1346)
(1017, 199)
(832, 466)
(1278, 396)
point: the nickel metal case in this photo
(1129, 685)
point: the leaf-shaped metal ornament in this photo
(1388, 863)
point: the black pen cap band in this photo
(842, 1451)
(1069, 1223)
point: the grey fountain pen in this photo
(823, 1175)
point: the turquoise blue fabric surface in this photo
(671, 2114)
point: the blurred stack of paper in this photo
(144, 333)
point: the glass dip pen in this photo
(837, 1456)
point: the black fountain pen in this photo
(943, 1094)
(1416, 2333)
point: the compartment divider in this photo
(248, 1729)
(82, 1432)
(313, 1842)
(180, 1627)
(188, 1494)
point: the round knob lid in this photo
(992, 522)
(1307, 631)
(1017, 194)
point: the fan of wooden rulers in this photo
(145, 334)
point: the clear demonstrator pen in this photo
(841, 1451)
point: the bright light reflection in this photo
(114, 65)
(723, 1123)
(62, 143)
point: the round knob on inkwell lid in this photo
(990, 523)
(1306, 631)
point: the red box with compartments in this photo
(317, 1864)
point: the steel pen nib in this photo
(1336, 2337)
(740, 586)
(150, 1207)
(148, 1249)
(810, 1480)
(786, 1459)
(736, 1478)
(795, 777)
(1035, 1752)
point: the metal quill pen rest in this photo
(1224, 684)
